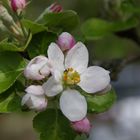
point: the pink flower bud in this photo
(82, 126)
(18, 5)
(37, 69)
(55, 8)
(66, 41)
(35, 98)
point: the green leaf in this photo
(66, 20)
(11, 104)
(100, 103)
(11, 66)
(33, 26)
(11, 46)
(52, 125)
(97, 28)
(124, 25)
(10, 101)
(130, 7)
(5, 95)
(40, 42)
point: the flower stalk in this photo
(9, 23)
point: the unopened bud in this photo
(37, 69)
(18, 5)
(9, 22)
(65, 41)
(35, 90)
(55, 8)
(82, 126)
(35, 98)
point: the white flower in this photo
(35, 98)
(72, 70)
(37, 69)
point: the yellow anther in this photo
(70, 69)
(71, 77)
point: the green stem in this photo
(21, 24)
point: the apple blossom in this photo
(82, 126)
(65, 41)
(35, 98)
(18, 4)
(72, 70)
(37, 69)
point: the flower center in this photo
(71, 77)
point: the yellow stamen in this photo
(71, 77)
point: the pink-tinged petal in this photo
(82, 126)
(38, 103)
(45, 70)
(73, 105)
(38, 68)
(65, 41)
(35, 90)
(32, 73)
(94, 79)
(52, 87)
(77, 58)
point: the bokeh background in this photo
(122, 121)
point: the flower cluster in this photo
(8, 23)
(65, 69)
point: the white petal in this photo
(32, 72)
(25, 99)
(107, 89)
(35, 90)
(52, 87)
(38, 103)
(56, 57)
(73, 105)
(57, 75)
(77, 58)
(94, 79)
(45, 70)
